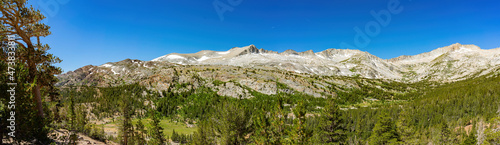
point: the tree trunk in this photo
(36, 90)
(32, 75)
(38, 99)
(125, 136)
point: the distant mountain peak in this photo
(307, 53)
(249, 50)
(459, 47)
(290, 52)
(456, 48)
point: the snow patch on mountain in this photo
(223, 53)
(203, 58)
(464, 50)
(114, 72)
(107, 65)
(175, 57)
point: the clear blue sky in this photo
(98, 31)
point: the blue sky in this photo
(96, 31)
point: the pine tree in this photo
(34, 70)
(74, 119)
(470, 140)
(231, 123)
(445, 133)
(384, 131)
(405, 128)
(175, 136)
(331, 128)
(141, 139)
(72, 113)
(203, 136)
(300, 135)
(278, 125)
(262, 134)
(493, 134)
(126, 129)
(33, 129)
(20, 19)
(270, 127)
(82, 119)
(156, 131)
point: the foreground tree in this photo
(32, 129)
(33, 68)
(24, 22)
(331, 128)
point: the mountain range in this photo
(240, 70)
(450, 63)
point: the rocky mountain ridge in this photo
(442, 64)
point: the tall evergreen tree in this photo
(405, 128)
(300, 134)
(127, 111)
(141, 139)
(384, 131)
(331, 128)
(156, 131)
(262, 134)
(73, 137)
(22, 20)
(231, 123)
(33, 129)
(203, 136)
(270, 127)
(34, 70)
(72, 113)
